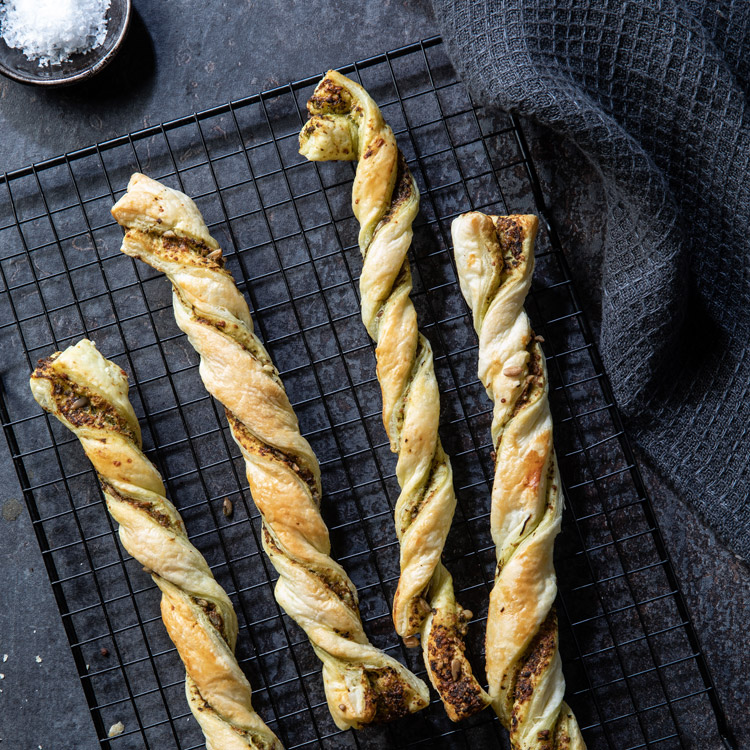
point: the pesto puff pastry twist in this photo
(89, 395)
(347, 125)
(495, 261)
(165, 230)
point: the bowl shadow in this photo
(133, 65)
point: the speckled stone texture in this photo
(174, 64)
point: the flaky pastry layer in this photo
(347, 125)
(495, 262)
(89, 395)
(165, 230)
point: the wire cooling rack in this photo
(635, 672)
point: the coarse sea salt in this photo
(50, 31)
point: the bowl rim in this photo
(81, 75)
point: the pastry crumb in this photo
(116, 729)
(5, 657)
(455, 669)
(38, 659)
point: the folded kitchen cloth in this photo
(654, 95)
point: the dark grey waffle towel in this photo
(654, 94)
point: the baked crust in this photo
(346, 124)
(495, 262)
(362, 684)
(89, 395)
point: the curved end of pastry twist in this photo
(166, 230)
(217, 690)
(443, 635)
(539, 717)
(54, 387)
(361, 694)
(330, 134)
(220, 735)
(345, 125)
(150, 206)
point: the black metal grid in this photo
(636, 675)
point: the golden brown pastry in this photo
(347, 125)
(166, 230)
(89, 395)
(495, 262)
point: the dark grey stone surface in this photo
(188, 55)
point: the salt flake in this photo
(50, 31)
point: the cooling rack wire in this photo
(635, 671)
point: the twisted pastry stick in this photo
(346, 124)
(495, 261)
(89, 395)
(166, 230)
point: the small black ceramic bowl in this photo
(82, 66)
